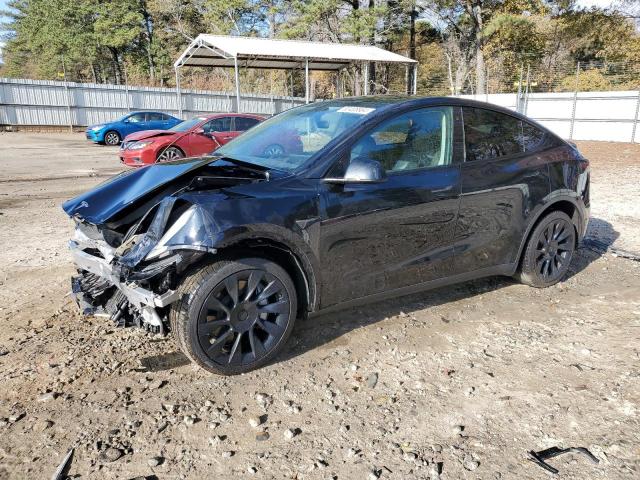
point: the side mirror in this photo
(361, 170)
(199, 131)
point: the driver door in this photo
(214, 134)
(377, 237)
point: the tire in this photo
(227, 339)
(273, 151)
(112, 138)
(169, 154)
(549, 251)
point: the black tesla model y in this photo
(326, 206)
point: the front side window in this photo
(490, 135)
(218, 125)
(414, 140)
(136, 118)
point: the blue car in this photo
(112, 133)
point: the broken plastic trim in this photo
(191, 231)
(542, 455)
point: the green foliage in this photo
(588, 81)
(455, 40)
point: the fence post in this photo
(575, 102)
(635, 120)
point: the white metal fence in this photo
(607, 116)
(48, 103)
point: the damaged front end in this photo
(134, 283)
(130, 260)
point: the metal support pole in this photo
(126, 89)
(415, 79)
(178, 93)
(66, 94)
(519, 97)
(366, 79)
(575, 102)
(635, 120)
(237, 78)
(526, 91)
(306, 80)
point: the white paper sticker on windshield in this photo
(356, 110)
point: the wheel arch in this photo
(564, 204)
(296, 262)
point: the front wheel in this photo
(171, 153)
(234, 316)
(112, 138)
(549, 251)
(273, 151)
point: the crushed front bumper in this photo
(101, 287)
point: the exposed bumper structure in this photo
(103, 286)
(138, 296)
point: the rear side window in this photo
(154, 117)
(245, 123)
(534, 139)
(490, 135)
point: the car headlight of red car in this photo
(139, 145)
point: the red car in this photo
(191, 138)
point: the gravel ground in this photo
(456, 383)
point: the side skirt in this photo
(507, 269)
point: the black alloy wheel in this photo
(237, 316)
(549, 251)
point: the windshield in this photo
(288, 140)
(187, 124)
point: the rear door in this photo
(502, 181)
(156, 121)
(377, 237)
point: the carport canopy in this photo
(233, 52)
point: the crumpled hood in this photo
(101, 203)
(145, 134)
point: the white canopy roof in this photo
(222, 51)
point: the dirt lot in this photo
(455, 383)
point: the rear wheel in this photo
(549, 251)
(234, 316)
(171, 153)
(112, 138)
